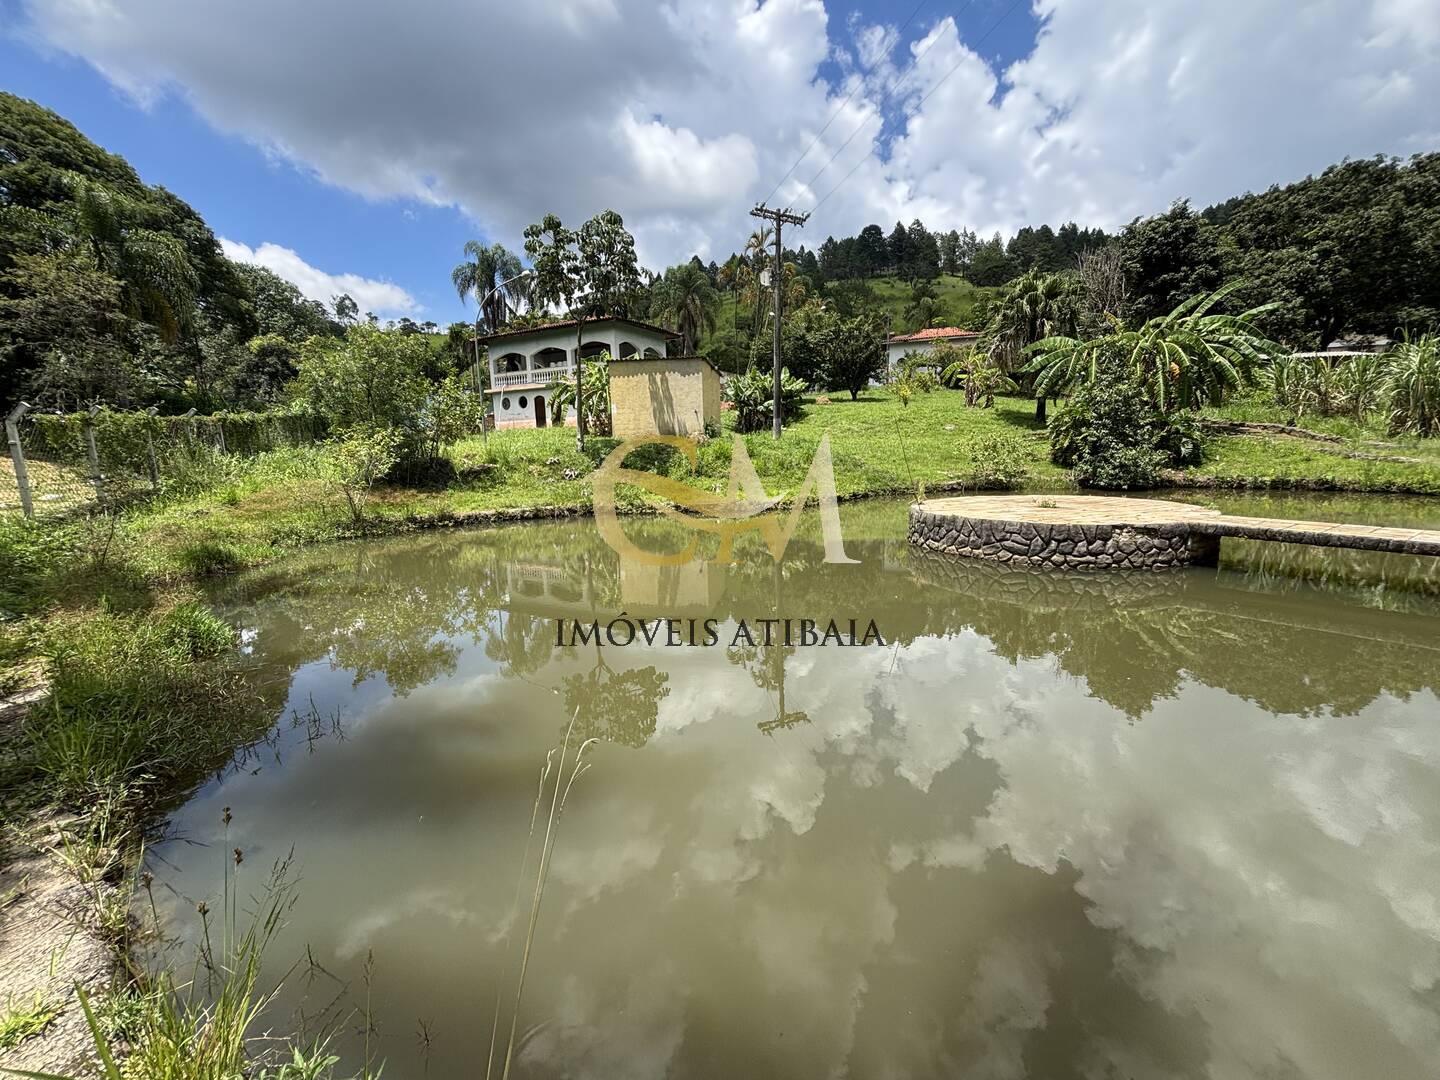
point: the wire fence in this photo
(59, 465)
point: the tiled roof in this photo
(936, 333)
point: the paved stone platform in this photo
(1099, 532)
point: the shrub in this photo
(918, 369)
(596, 394)
(1111, 435)
(750, 395)
(912, 377)
(358, 461)
(976, 372)
(1412, 386)
(1000, 462)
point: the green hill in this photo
(956, 297)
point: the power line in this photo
(979, 41)
(884, 97)
(836, 114)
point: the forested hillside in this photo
(1354, 250)
(114, 290)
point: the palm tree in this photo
(687, 301)
(1184, 359)
(493, 275)
(1033, 307)
(729, 279)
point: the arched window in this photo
(627, 350)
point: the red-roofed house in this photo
(900, 345)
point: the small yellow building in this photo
(671, 395)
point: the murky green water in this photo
(1178, 825)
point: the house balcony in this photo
(508, 380)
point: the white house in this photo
(898, 346)
(526, 365)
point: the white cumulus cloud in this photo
(381, 297)
(680, 114)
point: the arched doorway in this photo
(539, 410)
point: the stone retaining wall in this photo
(1069, 546)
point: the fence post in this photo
(220, 429)
(150, 449)
(17, 455)
(95, 480)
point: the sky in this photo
(355, 145)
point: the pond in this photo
(1165, 825)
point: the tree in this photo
(592, 271)
(1354, 250)
(492, 274)
(275, 306)
(923, 306)
(922, 252)
(273, 363)
(853, 352)
(371, 380)
(758, 259)
(66, 319)
(949, 244)
(610, 275)
(965, 253)
(1102, 286)
(347, 311)
(871, 250)
(167, 314)
(729, 279)
(990, 265)
(1189, 357)
(849, 298)
(899, 248)
(1033, 307)
(1168, 259)
(685, 301)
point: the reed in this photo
(557, 777)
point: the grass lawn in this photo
(280, 501)
(1369, 458)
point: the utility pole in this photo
(779, 217)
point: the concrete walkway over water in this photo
(1100, 532)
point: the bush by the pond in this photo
(1001, 461)
(1111, 435)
